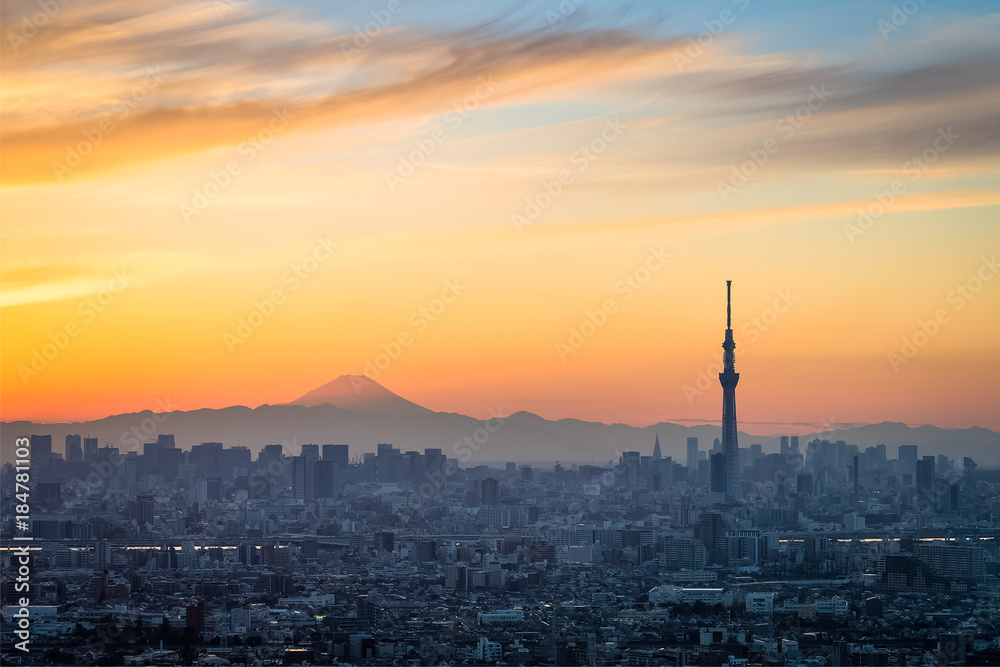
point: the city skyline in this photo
(485, 183)
(385, 332)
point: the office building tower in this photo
(41, 450)
(692, 452)
(303, 479)
(489, 492)
(74, 449)
(90, 446)
(924, 473)
(339, 454)
(327, 474)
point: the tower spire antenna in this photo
(729, 304)
(729, 379)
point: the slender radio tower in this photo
(729, 378)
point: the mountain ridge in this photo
(379, 415)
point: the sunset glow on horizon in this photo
(519, 207)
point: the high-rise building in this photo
(339, 454)
(729, 379)
(657, 454)
(925, 473)
(74, 449)
(907, 463)
(326, 479)
(195, 617)
(489, 492)
(102, 555)
(90, 446)
(717, 463)
(384, 541)
(711, 531)
(692, 452)
(41, 450)
(631, 462)
(303, 479)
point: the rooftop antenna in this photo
(729, 301)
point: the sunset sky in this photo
(479, 180)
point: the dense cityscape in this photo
(837, 555)
(821, 553)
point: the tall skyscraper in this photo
(339, 454)
(657, 454)
(907, 464)
(489, 492)
(729, 378)
(925, 473)
(326, 479)
(74, 449)
(90, 446)
(717, 472)
(41, 449)
(303, 479)
(692, 458)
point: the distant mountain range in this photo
(357, 411)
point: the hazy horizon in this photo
(529, 204)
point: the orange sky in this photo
(169, 174)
